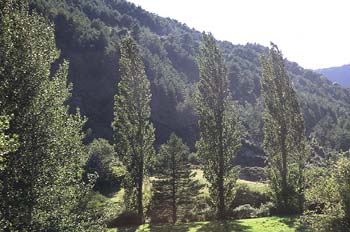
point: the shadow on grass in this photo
(222, 226)
(175, 228)
(127, 229)
(294, 222)
(219, 226)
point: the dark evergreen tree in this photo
(174, 189)
(133, 132)
(218, 125)
(41, 182)
(284, 139)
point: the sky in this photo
(313, 33)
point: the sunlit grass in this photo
(118, 196)
(254, 186)
(265, 224)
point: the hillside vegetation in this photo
(88, 33)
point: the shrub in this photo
(193, 158)
(265, 210)
(252, 173)
(245, 195)
(247, 211)
(329, 203)
(125, 219)
(244, 211)
(102, 161)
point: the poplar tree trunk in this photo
(221, 202)
(221, 206)
(174, 201)
(139, 201)
(140, 193)
(284, 177)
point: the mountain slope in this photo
(340, 75)
(88, 34)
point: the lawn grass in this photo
(254, 186)
(265, 224)
(118, 196)
(199, 176)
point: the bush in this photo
(125, 219)
(265, 209)
(102, 161)
(245, 195)
(193, 158)
(202, 210)
(329, 204)
(103, 207)
(244, 211)
(252, 173)
(247, 211)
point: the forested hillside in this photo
(340, 75)
(163, 124)
(88, 34)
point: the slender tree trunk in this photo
(140, 193)
(301, 201)
(6, 211)
(139, 201)
(174, 197)
(221, 204)
(301, 186)
(347, 211)
(141, 166)
(284, 169)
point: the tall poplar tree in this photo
(133, 132)
(218, 125)
(284, 139)
(41, 182)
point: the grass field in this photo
(254, 186)
(266, 224)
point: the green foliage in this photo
(134, 133)
(260, 187)
(218, 124)
(252, 195)
(89, 34)
(174, 189)
(329, 207)
(244, 211)
(284, 140)
(102, 161)
(42, 187)
(107, 208)
(7, 143)
(193, 158)
(342, 175)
